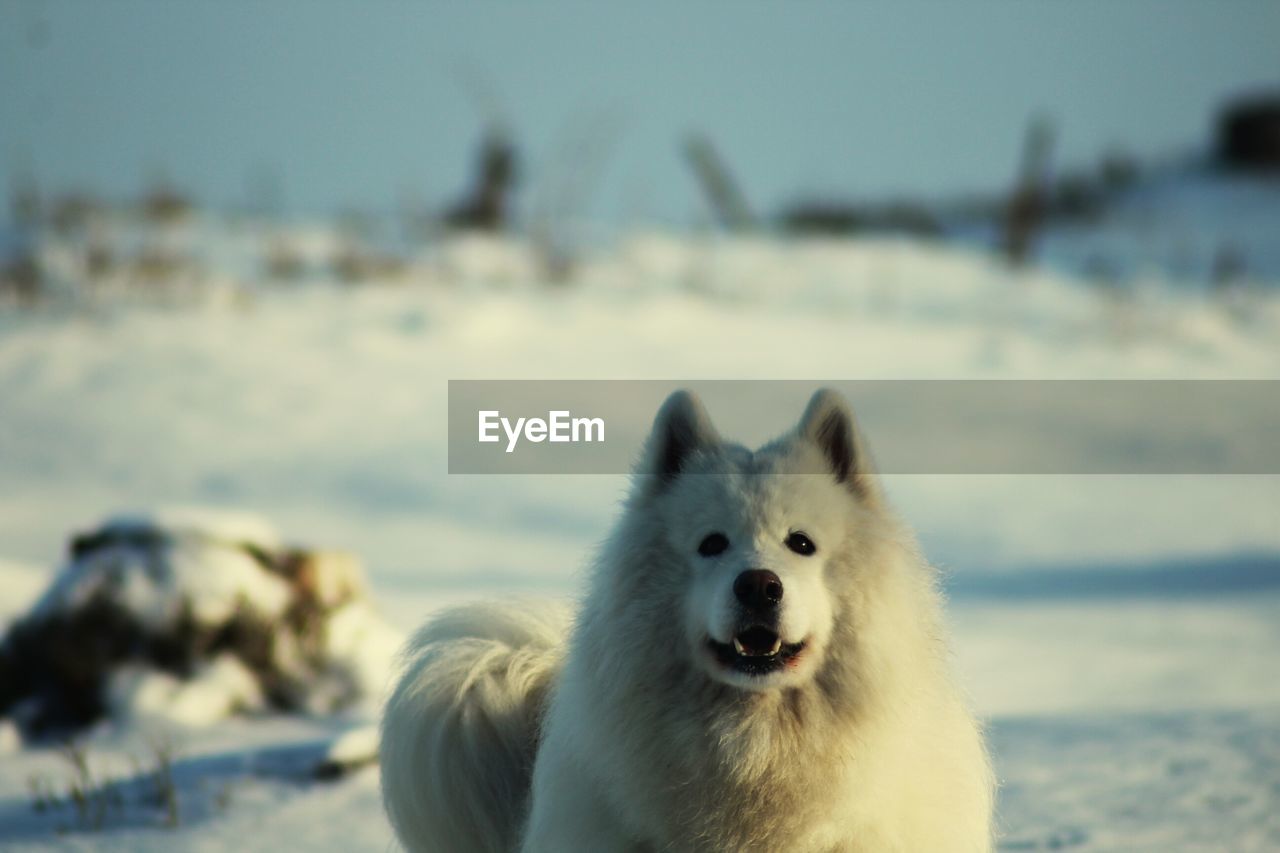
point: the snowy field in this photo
(1120, 634)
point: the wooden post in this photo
(1024, 215)
(717, 184)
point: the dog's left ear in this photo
(829, 423)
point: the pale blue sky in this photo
(354, 102)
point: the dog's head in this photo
(751, 539)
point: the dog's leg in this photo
(582, 827)
(570, 816)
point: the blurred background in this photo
(246, 245)
(561, 119)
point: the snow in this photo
(1140, 782)
(138, 695)
(1119, 633)
(1185, 226)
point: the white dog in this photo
(759, 665)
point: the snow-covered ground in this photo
(1119, 633)
(1185, 224)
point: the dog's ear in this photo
(828, 422)
(681, 428)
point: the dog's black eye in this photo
(714, 543)
(800, 543)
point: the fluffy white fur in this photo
(513, 729)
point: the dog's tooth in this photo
(777, 646)
(738, 647)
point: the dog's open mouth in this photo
(755, 651)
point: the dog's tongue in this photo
(757, 642)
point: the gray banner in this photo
(911, 426)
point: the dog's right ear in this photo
(681, 429)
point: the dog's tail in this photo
(460, 731)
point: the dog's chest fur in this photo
(737, 771)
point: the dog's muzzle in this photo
(755, 650)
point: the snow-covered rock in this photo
(190, 617)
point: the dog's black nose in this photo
(758, 589)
